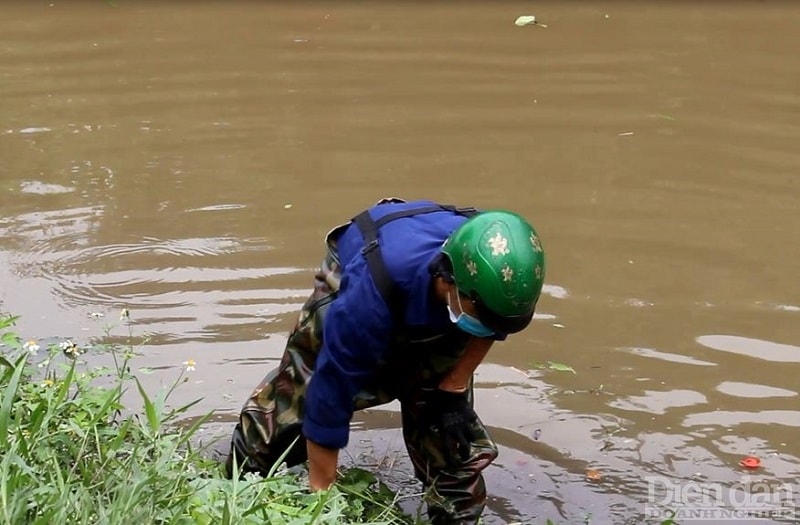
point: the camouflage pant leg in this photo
(456, 492)
(272, 417)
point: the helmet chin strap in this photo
(449, 302)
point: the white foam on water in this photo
(788, 308)
(559, 292)
(34, 130)
(42, 188)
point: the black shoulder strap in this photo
(372, 250)
(372, 253)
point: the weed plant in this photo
(73, 454)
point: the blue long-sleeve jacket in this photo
(359, 324)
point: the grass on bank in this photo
(71, 453)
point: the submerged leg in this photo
(272, 417)
(456, 489)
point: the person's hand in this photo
(450, 414)
(322, 463)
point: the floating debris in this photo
(527, 20)
(41, 188)
(34, 130)
(593, 475)
(559, 367)
(662, 116)
(521, 372)
(751, 462)
(788, 308)
(558, 292)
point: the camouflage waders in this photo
(272, 417)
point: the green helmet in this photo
(497, 261)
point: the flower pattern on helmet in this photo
(508, 273)
(499, 245)
(536, 243)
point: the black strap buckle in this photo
(371, 245)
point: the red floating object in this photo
(750, 462)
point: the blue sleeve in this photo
(356, 335)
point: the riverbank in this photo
(72, 453)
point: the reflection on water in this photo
(790, 418)
(186, 163)
(735, 388)
(656, 402)
(666, 356)
(767, 350)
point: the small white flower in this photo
(31, 347)
(124, 315)
(190, 365)
(69, 348)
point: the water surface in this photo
(184, 162)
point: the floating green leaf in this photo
(662, 116)
(560, 367)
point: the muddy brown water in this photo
(184, 161)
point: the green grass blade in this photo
(281, 458)
(9, 395)
(192, 429)
(122, 433)
(226, 515)
(7, 321)
(65, 384)
(149, 408)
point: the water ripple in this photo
(666, 356)
(169, 277)
(657, 402)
